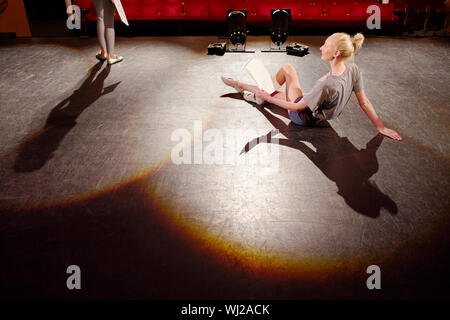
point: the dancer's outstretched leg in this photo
(247, 90)
(287, 74)
(239, 86)
(250, 91)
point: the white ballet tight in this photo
(105, 24)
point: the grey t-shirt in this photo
(331, 93)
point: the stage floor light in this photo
(281, 20)
(237, 29)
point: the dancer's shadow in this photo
(38, 149)
(338, 159)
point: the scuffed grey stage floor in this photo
(86, 176)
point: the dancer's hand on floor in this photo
(263, 95)
(390, 133)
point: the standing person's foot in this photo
(251, 97)
(114, 59)
(101, 56)
(232, 83)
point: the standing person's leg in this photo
(98, 4)
(110, 9)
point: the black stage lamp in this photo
(281, 20)
(237, 29)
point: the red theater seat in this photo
(83, 3)
(295, 6)
(262, 9)
(131, 8)
(149, 9)
(359, 10)
(436, 4)
(399, 4)
(387, 11)
(171, 10)
(218, 9)
(245, 5)
(436, 15)
(311, 10)
(416, 4)
(339, 10)
(196, 10)
(88, 9)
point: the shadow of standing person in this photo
(338, 159)
(38, 149)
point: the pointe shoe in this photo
(100, 56)
(251, 97)
(116, 59)
(229, 82)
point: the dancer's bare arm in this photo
(365, 104)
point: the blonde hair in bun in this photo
(357, 41)
(347, 45)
